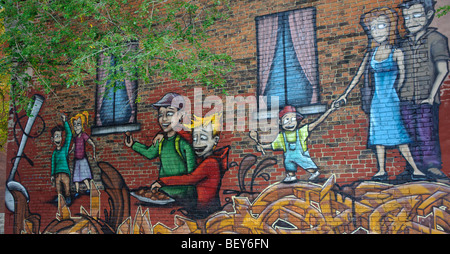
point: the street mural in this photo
(401, 105)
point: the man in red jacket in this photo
(212, 164)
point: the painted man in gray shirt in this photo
(426, 64)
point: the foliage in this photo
(49, 45)
(4, 112)
(443, 10)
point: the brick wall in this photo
(338, 145)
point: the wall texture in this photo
(306, 54)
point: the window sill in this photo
(305, 110)
(122, 128)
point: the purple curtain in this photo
(267, 39)
(301, 23)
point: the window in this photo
(115, 110)
(287, 60)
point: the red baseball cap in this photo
(290, 109)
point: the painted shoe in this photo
(290, 179)
(382, 177)
(314, 176)
(68, 201)
(419, 177)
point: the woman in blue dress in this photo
(384, 72)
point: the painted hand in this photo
(341, 101)
(158, 138)
(336, 104)
(128, 139)
(156, 185)
(63, 117)
(427, 101)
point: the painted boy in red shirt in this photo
(212, 164)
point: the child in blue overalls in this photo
(292, 140)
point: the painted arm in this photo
(442, 71)
(255, 136)
(199, 174)
(68, 137)
(322, 118)
(93, 147)
(191, 162)
(53, 165)
(355, 79)
(399, 58)
(148, 152)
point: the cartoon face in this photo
(78, 126)
(379, 29)
(203, 140)
(57, 138)
(168, 118)
(415, 18)
(289, 121)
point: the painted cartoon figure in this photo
(60, 174)
(383, 66)
(212, 164)
(82, 170)
(293, 141)
(426, 65)
(175, 153)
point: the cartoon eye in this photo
(203, 137)
(381, 26)
(417, 15)
(169, 113)
(194, 138)
(286, 120)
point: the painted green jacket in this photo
(59, 157)
(177, 158)
(174, 161)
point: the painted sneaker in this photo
(314, 176)
(290, 179)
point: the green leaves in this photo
(443, 10)
(62, 40)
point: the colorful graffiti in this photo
(300, 208)
(401, 106)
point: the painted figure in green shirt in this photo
(175, 153)
(292, 140)
(60, 174)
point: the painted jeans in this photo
(422, 124)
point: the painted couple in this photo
(401, 85)
(400, 94)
